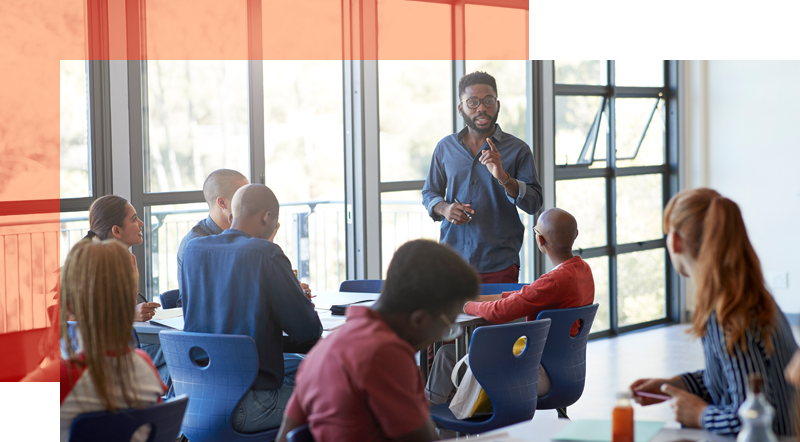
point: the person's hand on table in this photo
(145, 311)
(688, 407)
(653, 386)
(307, 292)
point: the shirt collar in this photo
(212, 226)
(497, 136)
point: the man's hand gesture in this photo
(492, 160)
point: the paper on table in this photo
(167, 313)
(500, 437)
(331, 323)
(176, 322)
(600, 431)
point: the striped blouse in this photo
(723, 384)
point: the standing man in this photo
(476, 179)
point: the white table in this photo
(148, 333)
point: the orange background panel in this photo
(496, 33)
(414, 31)
(301, 30)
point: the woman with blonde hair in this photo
(98, 287)
(741, 327)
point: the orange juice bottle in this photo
(622, 419)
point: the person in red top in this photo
(569, 284)
(362, 383)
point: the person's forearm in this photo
(439, 207)
(512, 187)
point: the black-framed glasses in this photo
(473, 102)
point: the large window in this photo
(611, 174)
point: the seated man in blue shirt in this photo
(239, 282)
(218, 190)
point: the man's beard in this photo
(471, 124)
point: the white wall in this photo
(743, 140)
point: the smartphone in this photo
(465, 212)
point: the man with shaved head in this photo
(240, 282)
(569, 284)
(218, 191)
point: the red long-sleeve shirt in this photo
(569, 285)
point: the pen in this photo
(465, 212)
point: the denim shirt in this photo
(236, 284)
(492, 240)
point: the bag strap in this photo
(457, 367)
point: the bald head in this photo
(222, 183)
(559, 229)
(254, 200)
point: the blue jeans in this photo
(261, 410)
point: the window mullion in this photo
(611, 202)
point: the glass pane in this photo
(600, 273)
(574, 118)
(639, 208)
(74, 226)
(198, 122)
(169, 225)
(633, 115)
(74, 122)
(397, 17)
(511, 91)
(415, 113)
(590, 72)
(586, 200)
(641, 293)
(304, 139)
(639, 73)
(403, 218)
(494, 31)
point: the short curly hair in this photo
(477, 77)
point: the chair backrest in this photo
(511, 381)
(496, 289)
(300, 434)
(564, 356)
(169, 299)
(102, 426)
(361, 286)
(72, 329)
(217, 387)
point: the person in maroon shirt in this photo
(362, 383)
(569, 284)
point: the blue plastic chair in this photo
(300, 434)
(564, 356)
(169, 299)
(72, 329)
(102, 426)
(510, 381)
(216, 388)
(361, 286)
(496, 289)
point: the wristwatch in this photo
(507, 180)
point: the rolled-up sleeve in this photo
(529, 198)
(435, 185)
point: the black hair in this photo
(105, 213)
(478, 77)
(427, 275)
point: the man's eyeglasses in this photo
(453, 330)
(473, 103)
(536, 231)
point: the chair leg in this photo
(562, 413)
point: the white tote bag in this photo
(470, 400)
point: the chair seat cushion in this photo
(442, 415)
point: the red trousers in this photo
(509, 275)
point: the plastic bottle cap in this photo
(624, 395)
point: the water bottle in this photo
(756, 414)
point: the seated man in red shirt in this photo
(362, 383)
(569, 284)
